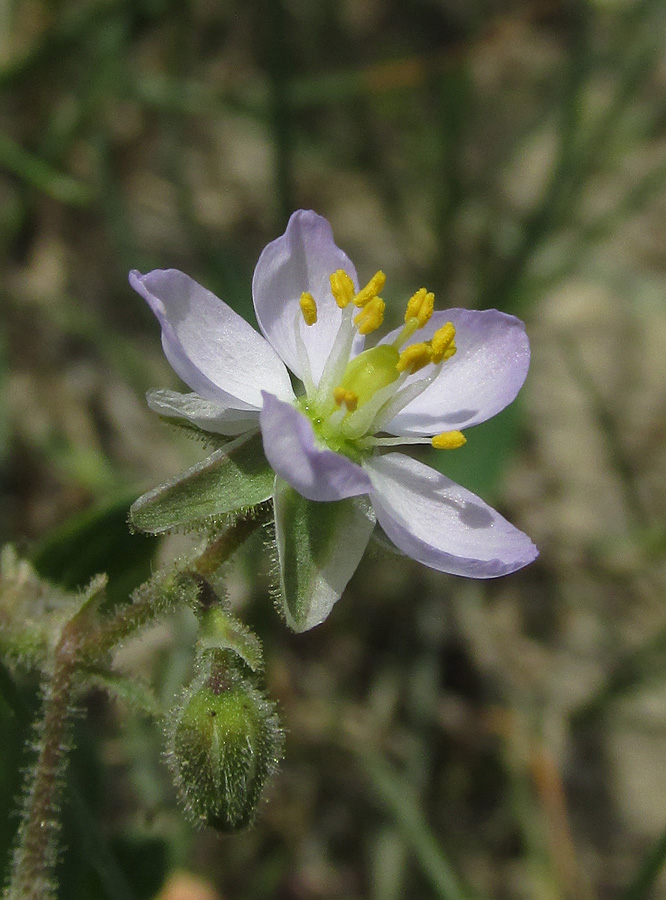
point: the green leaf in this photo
(319, 547)
(233, 478)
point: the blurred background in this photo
(446, 738)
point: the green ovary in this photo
(330, 435)
(366, 374)
(371, 371)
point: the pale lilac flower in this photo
(332, 443)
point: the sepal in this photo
(204, 418)
(233, 478)
(319, 547)
(222, 631)
(224, 742)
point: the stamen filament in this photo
(371, 441)
(364, 418)
(338, 357)
(303, 359)
(406, 333)
(401, 398)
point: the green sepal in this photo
(235, 477)
(224, 742)
(220, 630)
(319, 547)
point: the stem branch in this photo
(80, 645)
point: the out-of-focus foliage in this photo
(445, 738)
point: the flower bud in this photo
(226, 741)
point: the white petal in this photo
(289, 445)
(213, 349)
(202, 413)
(301, 260)
(483, 377)
(440, 524)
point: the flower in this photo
(327, 452)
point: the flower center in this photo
(358, 396)
(368, 373)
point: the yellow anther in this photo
(449, 440)
(349, 398)
(371, 290)
(308, 308)
(420, 307)
(342, 288)
(413, 358)
(442, 344)
(371, 316)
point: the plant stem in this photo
(226, 545)
(166, 591)
(80, 645)
(35, 854)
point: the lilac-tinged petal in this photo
(440, 524)
(484, 376)
(302, 259)
(202, 413)
(215, 351)
(319, 547)
(289, 445)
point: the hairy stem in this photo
(165, 592)
(36, 850)
(32, 876)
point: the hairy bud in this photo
(225, 740)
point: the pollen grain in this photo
(420, 307)
(443, 343)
